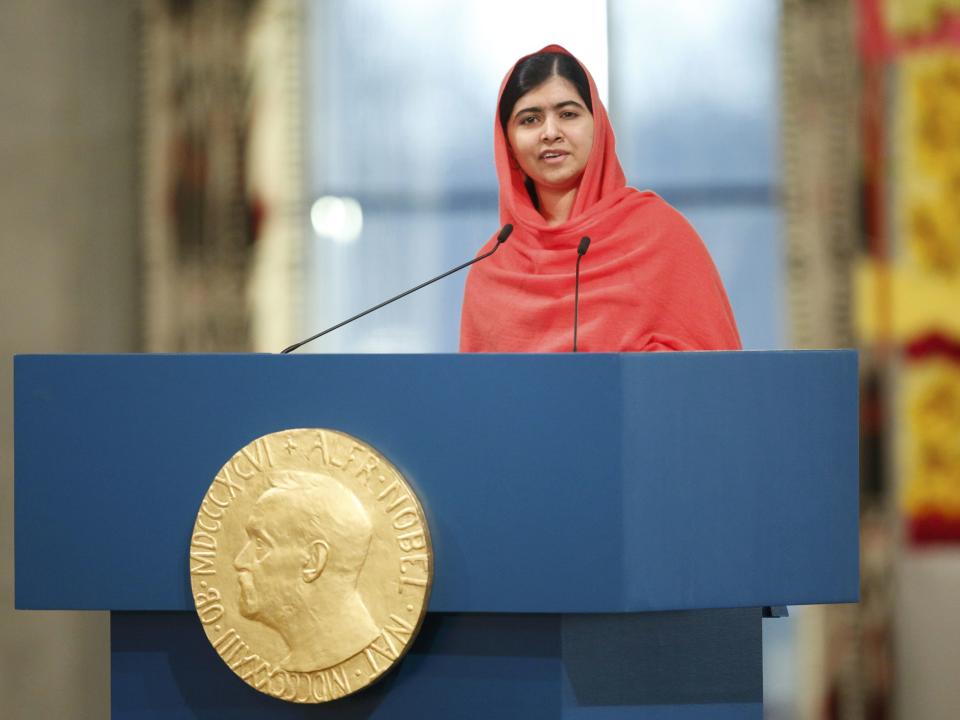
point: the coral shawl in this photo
(646, 283)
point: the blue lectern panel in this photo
(505, 666)
(559, 483)
(656, 666)
(757, 466)
(121, 450)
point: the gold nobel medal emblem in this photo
(310, 564)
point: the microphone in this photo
(501, 239)
(581, 251)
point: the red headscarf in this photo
(646, 283)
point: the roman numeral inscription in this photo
(227, 486)
(203, 550)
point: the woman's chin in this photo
(555, 183)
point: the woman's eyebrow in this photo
(536, 109)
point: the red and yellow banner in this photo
(908, 286)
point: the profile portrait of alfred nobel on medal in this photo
(307, 539)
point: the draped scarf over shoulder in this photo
(646, 283)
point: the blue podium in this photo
(607, 528)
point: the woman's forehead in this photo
(552, 91)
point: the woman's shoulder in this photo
(650, 201)
(653, 211)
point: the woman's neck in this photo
(556, 205)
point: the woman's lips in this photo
(553, 157)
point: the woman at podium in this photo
(646, 281)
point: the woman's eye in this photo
(528, 120)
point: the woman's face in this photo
(551, 134)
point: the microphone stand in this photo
(581, 251)
(501, 238)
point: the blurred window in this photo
(694, 101)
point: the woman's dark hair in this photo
(534, 71)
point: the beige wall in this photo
(69, 82)
(928, 635)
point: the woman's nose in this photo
(551, 130)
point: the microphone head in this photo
(504, 233)
(584, 244)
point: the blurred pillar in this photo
(223, 158)
(844, 651)
(68, 282)
(821, 166)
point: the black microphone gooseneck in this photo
(581, 251)
(501, 239)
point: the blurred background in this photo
(207, 175)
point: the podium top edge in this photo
(824, 351)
